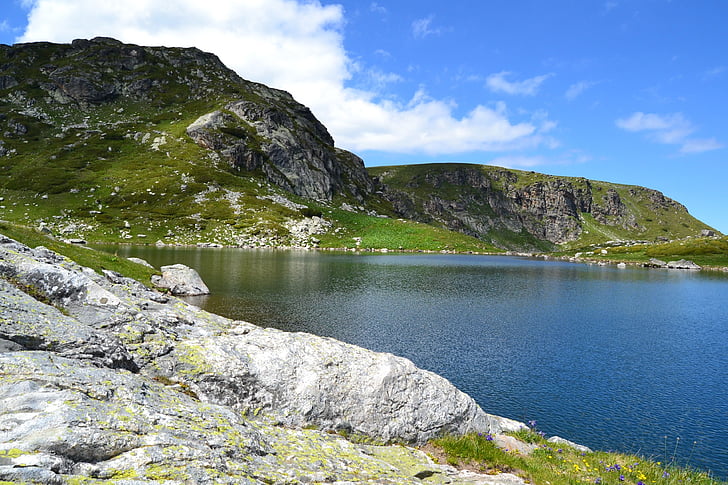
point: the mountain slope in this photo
(107, 141)
(527, 210)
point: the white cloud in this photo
(4, 26)
(296, 46)
(422, 28)
(714, 73)
(577, 89)
(670, 129)
(377, 8)
(528, 87)
(699, 146)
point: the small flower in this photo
(665, 474)
(598, 480)
(559, 450)
(640, 483)
(489, 437)
(532, 423)
(621, 478)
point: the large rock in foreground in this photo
(103, 378)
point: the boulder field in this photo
(104, 380)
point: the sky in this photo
(625, 91)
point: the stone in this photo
(141, 261)
(707, 233)
(683, 264)
(304, 380)
(181, 280)
(656, 263)
(561, 441)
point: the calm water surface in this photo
(626, 360)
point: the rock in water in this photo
(682, 264)
(181, 280)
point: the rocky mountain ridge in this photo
(527, 210)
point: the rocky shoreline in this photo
(103, 380)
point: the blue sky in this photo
(630, 91)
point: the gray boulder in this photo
(181, 280)
(302, 380)
(682, 264)
(141, 261)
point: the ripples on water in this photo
(624, 360)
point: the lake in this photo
(634, 360)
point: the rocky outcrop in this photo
(103, 378)
(524, 210)
(284, 140)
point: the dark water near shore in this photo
(627, 360)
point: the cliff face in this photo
(526, 210)
(252, 127)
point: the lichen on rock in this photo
(145, 388)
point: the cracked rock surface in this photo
(103, 380)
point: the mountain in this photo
(528, 210)
(107, 141)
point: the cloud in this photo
(699, 146)
(377, 8)
(4, 26)
(577, 89)
(714, 73)
(528, 87)
(422, 28)
(670, 129)
(297, 46)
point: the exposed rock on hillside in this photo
(103, 378)
(515, 209)
(254, 128)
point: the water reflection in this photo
(615, 359)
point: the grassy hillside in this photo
(708, 252)
(493, 203)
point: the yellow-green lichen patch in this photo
(13, 453)
(317, 456)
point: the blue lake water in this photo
(616, 359)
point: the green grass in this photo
(554, 464)
(96, 260)
(397, 234)
(708, 252)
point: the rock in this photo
(707, 233)
(32, 325)
(141, 261)
(151, 388)
(513, 445)
(682, 264)
(181, 280)
(656, 263)
(561, 441)
(332, 385)
(621, 265)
